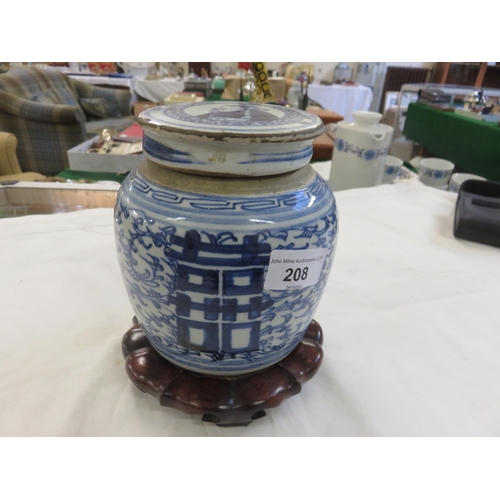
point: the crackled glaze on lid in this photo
(229, 138)
(233, 120)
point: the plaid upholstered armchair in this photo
(9, 166)
(50, 113)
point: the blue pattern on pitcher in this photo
(343, 146)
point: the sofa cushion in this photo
(100, 107)
(44, 97)
(26, 82)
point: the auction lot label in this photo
(294, 269)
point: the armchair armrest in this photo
(122, 97)
(31, 110)
(9, 164)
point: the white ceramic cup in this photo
(435, 172)
(457, 180)
(392, 169)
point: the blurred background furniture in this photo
(235, 82)
(9, 165)
(473, 146)
(323, 145)
(397, 76)
(37, 198)
(49, 114)
(121, 82)
(343, 99)
(154, 90)
(141, 88)
(395, 115)
(476, 74)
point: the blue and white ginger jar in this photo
(225, 235)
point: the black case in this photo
(477, 213)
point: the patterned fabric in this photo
(46, 131)
(46, 97)
(122, 97)
(100, 107)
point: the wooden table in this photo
(323, 145)
(35, 198)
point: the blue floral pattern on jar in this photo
(194, 269)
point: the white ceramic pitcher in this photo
(361, 148)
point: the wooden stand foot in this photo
(224, 401)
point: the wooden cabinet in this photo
(492, 77)
(471, 74)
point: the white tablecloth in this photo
(156, 90)
(410, 314)
(343, 99)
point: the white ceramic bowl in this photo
(458, 179)
(435, 172)
(392, 169)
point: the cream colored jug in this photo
(360, 151)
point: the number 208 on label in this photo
(294, 269)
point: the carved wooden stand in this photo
(224, 401)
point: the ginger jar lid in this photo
(229, 138)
